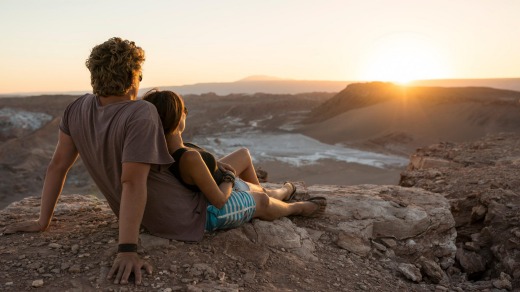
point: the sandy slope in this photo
(400, 124)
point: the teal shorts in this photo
(238, 210)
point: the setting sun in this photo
(402, 58)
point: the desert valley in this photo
(410, 150)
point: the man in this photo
(122, 145)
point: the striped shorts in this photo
(238, 210)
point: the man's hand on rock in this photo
(125, 264)
(25, 226)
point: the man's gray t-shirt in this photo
(131, 131)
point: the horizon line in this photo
(243, 80)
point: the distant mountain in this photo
(261, 78)
(274, 85)
(257, 84)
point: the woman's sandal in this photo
(293, 194)
(322, 205)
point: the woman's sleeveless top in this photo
(209, 160)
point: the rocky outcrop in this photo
(368, 234)
(452, 225)
(480, 180)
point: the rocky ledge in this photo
(481, 181)
(457, 232)
(372, 237)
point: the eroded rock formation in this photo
(480, 180)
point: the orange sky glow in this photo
(45, 43)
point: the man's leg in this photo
(281, 194)
(271, 209)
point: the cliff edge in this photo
(452, 225)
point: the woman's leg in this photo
(281, 194)
(271, 209)
(241, 161)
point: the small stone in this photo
(431, 269)
(516, 274)
(150, 242)
(503, 284)
(221, 276)
(446, 262)
(379, 246)
(504, 276)
(411, 272)
(470, 261)
(9, 283)
(440, 288)
(74, 248)
(167, 290)
(34, 265)
(21, 257)
(37, 283)
(75, 269)
(65, 266)
(56, 271)
(478, 212)
(389, 253)
(472, 246)
(54, 245)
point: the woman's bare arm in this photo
(194, 171)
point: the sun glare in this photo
(403, 58)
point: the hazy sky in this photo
(45, 43)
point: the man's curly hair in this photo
(113, 66)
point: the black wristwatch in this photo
(127, 247)
(229, 177)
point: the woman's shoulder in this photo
(191, 159)
(191, 155)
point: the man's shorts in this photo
(238, 210)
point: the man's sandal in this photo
(293, 193)
(322, 205)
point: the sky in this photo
(45, 43)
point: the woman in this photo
(234, 193)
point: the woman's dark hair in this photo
(113, 66)
(170, 107)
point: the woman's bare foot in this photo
(313, 207)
